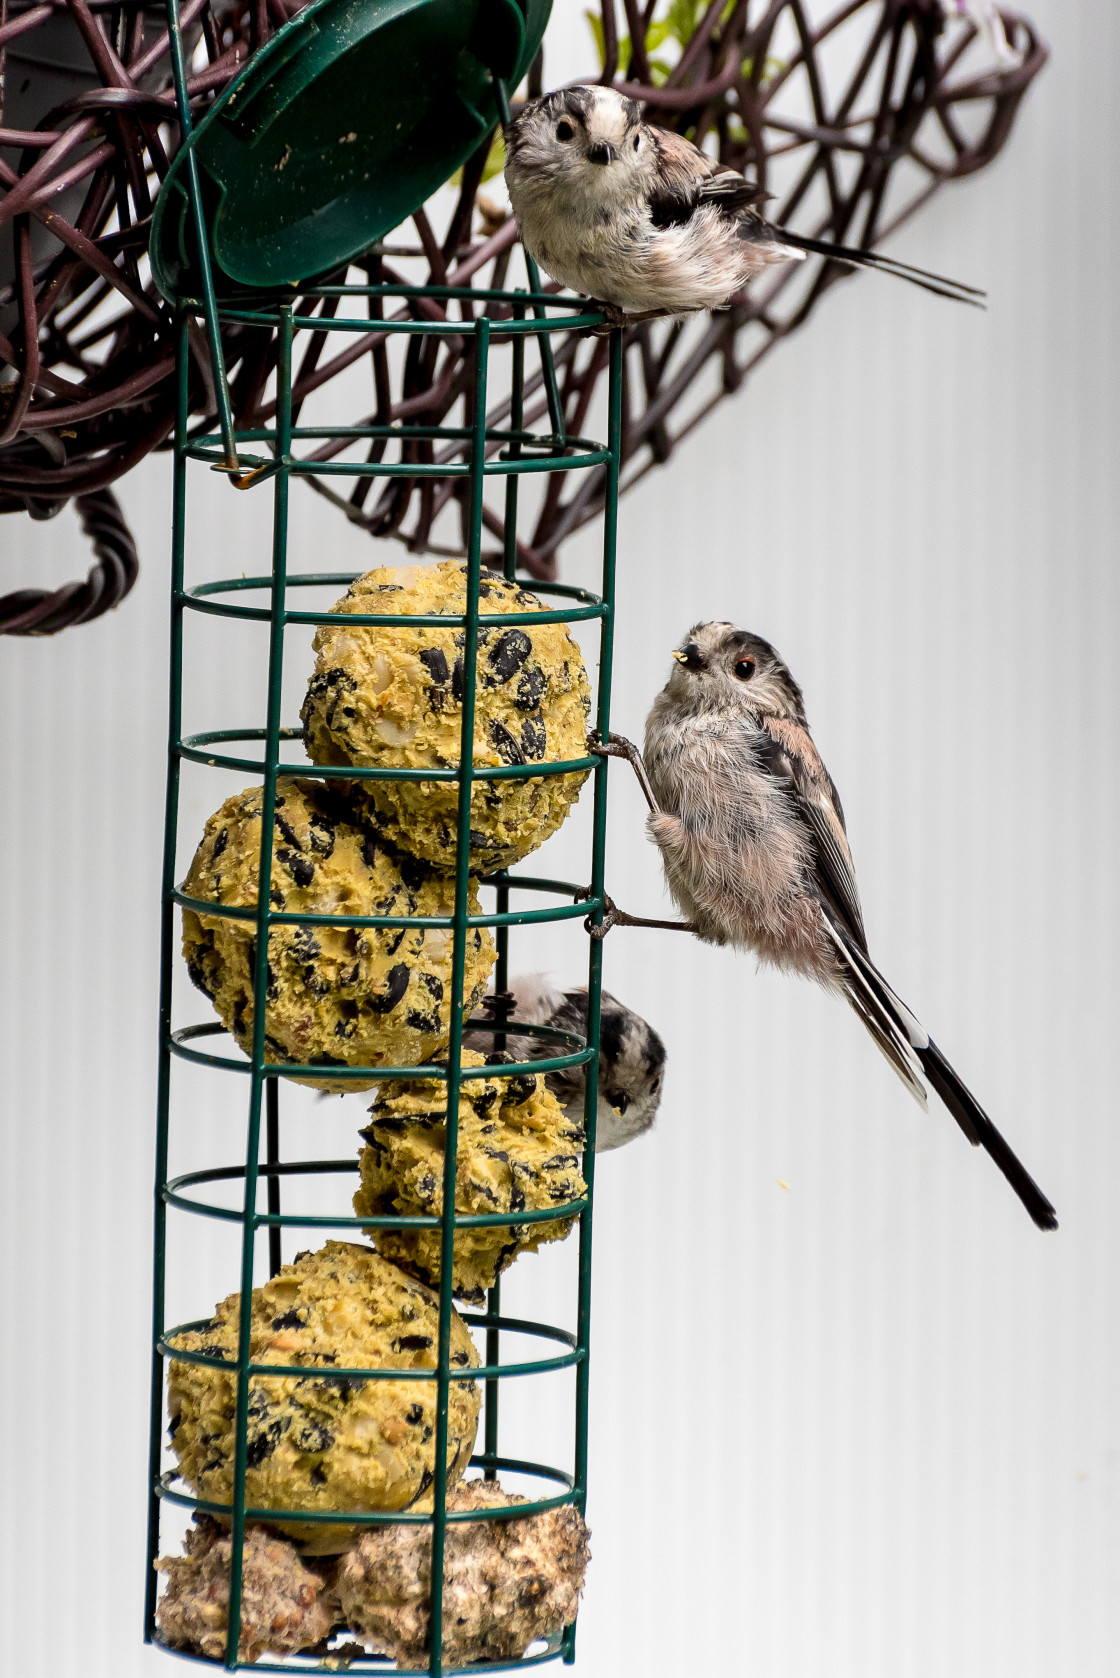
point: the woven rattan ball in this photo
(319, 1442)
(392, 699)
(285, 1605)
(506, 1582)
(348, 996)
(517, 1150)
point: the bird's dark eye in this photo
(565, 131)
(744, 669)
(637, 141)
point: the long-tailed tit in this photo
(631, 1054)
(752, 838)
(640, 219)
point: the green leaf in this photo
(496, 157)
(683, 17)
(495, 161)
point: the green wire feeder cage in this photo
(498, 325)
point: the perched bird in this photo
(755, 851)
(640, 219)
(631, 1054)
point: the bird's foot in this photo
(617, 745)
(613, 318)
(614, 916)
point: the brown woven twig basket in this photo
(87, 124)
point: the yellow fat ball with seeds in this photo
(316, 1441)
(518, 1150)
(392, 699)
(351, 996)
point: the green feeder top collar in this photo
(336, 131)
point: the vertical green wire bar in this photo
(595, 952)
(501, 972)
(213, 330)
(458, 960)
(272, 1158)
(278, 603)
(548, 362)
(167, 956)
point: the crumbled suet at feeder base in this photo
(348, 996)
(506, 1582)
(285, 1605)
(392, 699)
(319, 1443)
(518, 1150)
(631, 1054)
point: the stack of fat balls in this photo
(321, 1445)
(388, 698)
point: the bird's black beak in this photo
(600, 151)
(689, 656)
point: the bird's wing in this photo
(731, 192)
(787, 750)
(683, 166)
(687, 180)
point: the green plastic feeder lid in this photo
(338, 128)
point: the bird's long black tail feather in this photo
(971, 1116)
(903, 1039)
(939, 284)
(890, 1042)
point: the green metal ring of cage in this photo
(387, 1517)
(474, 1372)
(261, 469)
(200, 599)
(292, 917)
(514, 329)
(511, 1325)
(434, 1070)
(207, 449)
(370, 1664)
(522, 453)
(318, 1220)
(192, 750)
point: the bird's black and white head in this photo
(631, 1057)
(586, 144)
(724, 668)
(631, 1073)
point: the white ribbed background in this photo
(883, 1441)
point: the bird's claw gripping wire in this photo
(616, 319)
(614, 916)
(617, 745)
